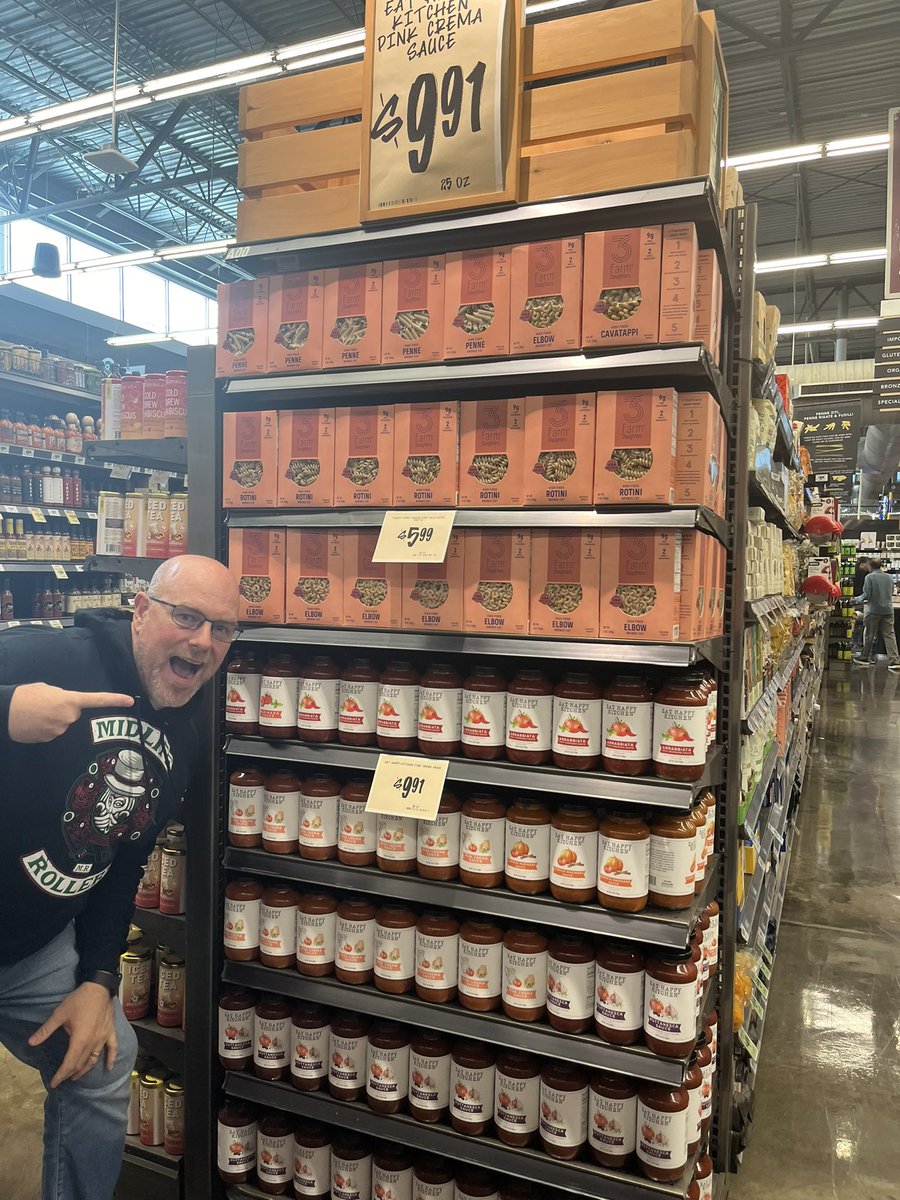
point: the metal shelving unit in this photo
(24, 510)
(117, 564)
(30, 388)
(161, 1042)
(23, 566)
(150, 454)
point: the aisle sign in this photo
(830, 433)
(414, 537)
(441, 105)
(887, 365)
(407, 786)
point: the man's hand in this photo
(39, 712)
(87, 1017)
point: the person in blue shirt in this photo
(878, 596)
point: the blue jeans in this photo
(84, 1120)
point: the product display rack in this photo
(21, 388)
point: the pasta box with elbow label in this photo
(497, 575)
(433, 592)
(256, 559)
(545, 297)
(640, 585)
(565, 583)
(314, 580)
(372, 591)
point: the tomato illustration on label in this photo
(307, 702)
(572, 725)
(350, 706)
(269, 701)
(234, 696)
(613, 865)
(429, 713)
(476, 717)
(386, 709)
(620, 729)
(522, 721)
(676, 733)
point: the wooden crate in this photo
(617, 99)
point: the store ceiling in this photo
(799, 70)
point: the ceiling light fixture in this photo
(133, 258)
(191, 337)
(827, 326)
(806, 261)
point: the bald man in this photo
(96, 745)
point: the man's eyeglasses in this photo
(189, 618)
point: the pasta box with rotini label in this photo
(426, 448)
(256, 557)
(372, 591)
(306, 438)
(352, 316)
(545, 297)
(314, 578)
(491, 453)
(565, 583)
(621, 287)
(413, 310)
(476, 303)
(559, 449)
(433, 592)
(364, 456)
(249, 459)
(497, 575)
(296, 332)
(243, 327)
(636, 441)
(640, 585)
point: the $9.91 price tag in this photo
(414, 537)
(407, 787)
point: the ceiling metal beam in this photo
(855, 35)
(29, 173)
(113, 197)
(163, 132)
(735, 23)
(822, 15)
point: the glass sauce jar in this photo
(354, 960)
(619, 995)
(236, 1023)
(275, 1157)
(480, 965)
(397, 844)
(573, 854)
(396, 726)
(483, 734)
(623, 862)
(437, 841)
(670, 998)
(577, 720)
(395, 949)
(351, 1167)
(627, 726)
(433, 1179)
(281, 813)
(242, 689)
(429, 1076)
(272, 1043)
(672, 848)
(527, 847)
(347, 1058)
(517, 1097)
(612, 1119)
(471, 1087)
(437, 956)
(319, 802)
(241, 919)
(679, 729)
(662, 1131)
(482, 841)
(387, 1067)
(358, 829)
(236, 1138)
(278, 691)
(524, 975)
(311, 1040)
(358, 703)
(564, 1109)
(278, 927)
(312, 1161)
(529, 718)
(316, 934)
(570, 983)
(246, 798)
(440, 711)
(319, 700)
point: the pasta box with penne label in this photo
(243, 327)
(413, 310)
(476, 303)
(352, 316)
(296, 332)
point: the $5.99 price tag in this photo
(414, 537)
(407, 787)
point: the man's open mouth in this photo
(183, 667)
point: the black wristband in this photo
(108, 979)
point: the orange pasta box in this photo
(256, 557)
(497, 574)
(426, 449)
(491, 453)
(296, 313)
(314, 579)
(635, 456)
(721, 575)
(692, 609)
(372, 591)
(306, 438)
(621, 287)
(565, 583)
(559, 449)
(352, 316)
(364, 457)
(545, 296)
(433, 592)
(679, 283)
(708, 303)
(698, 469)
(721, 469)
(476, 303)
(249, 459)
(243, 327)
(157, 525)
(412, 310)
(640, 585)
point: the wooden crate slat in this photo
(301, 99)
(617, 164)
(322, 210)
(297, 157)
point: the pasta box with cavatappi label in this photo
(413, 310)
(243, 327)
(636, 442)
(372, 591)
(545, 297)
(314, 581)
(306, 444)
(565, 583)
(249, 459)
(256, 558)
(426, 449)
(640, 585)
(476, 303)
(491, 453)
(433, 592)
(296, 321)
(497, 575)
(621, 287)
(352, 316)
(559, 449)
(364, 456)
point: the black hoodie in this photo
(81, 813)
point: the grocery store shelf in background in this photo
(55, 623)
(24, 566)
(153, 454)
(765, 607)
(579, 1178)
(764, 385)
(27, 388)
(761, 496)
(165, 1044)
(653, 654)
(779, 679)
(24, 510)
(117, 564)
(590, 785)
(162, 928)
(751, 816)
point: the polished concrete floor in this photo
(829, 1078)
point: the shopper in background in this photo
(859, 579)
(878, 596)
(97, 745)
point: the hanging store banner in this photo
(887, 365)
(441, 99)
(830, 434)
(838, 484)
(892, 266)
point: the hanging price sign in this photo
(407, 787)
(419, 536)
(71, 517)
(59, 571)
(440, 105)
(37, 515)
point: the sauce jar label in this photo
(706, 1091)
(245, 809)
(274, 1157)
(429, 1081)
(471, 1093)
(318, 820)
(358, 705)
(351, 1178)
(524, 979)
(236, 1032)
(272, 1042)
(623, 867)
(574, 859)
(662, 1137)
(576, 726)
(482, 843)
(312, 1170)
(670, 1010)
(392, 1185)
(484, 718)
(440, 712)
(235, 1148)
(241, 924)
(317, 706)
(278, 930)
(619, 999)
(711, 940)
(387, 1072)
(395, 952)
(433, 1191)
(437, 960)
(278, 701)
(438, 840)
(613, 1124)
(679, 735)
(355, 945)
(480, 969)
(517, 1103)
(527, 851)
(281, 817)
(672, 865)
(309, 1058)
(242, 698)
(529, 722)
(398, 710)
(397, 838)
(358, 832)
(570, 989)
(564, 1116)
(347, 1061)
(705, 1184)
(627, 730)
(316, 937)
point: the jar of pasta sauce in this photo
(311, 1033)
(387, 1067)
(529, 718)
(440, 711)
(517, 1097)
(672, 850)
(236, 1142)
(319, 803)
(573, 854)
(482, 841)
(437, 841)
(357, 829)
(272, 1045)
(662, 1124)
(316, 933)
(397, 844)
(471, 1087)
(437, 956)
(433, 1179)
(278, 927)
(246, 800)
(312, 1161)
(483, 733)
(281, 813)
(480, 965)
(279, 687)
(354, 960)
(627, 726)
(319, 700)
(670, 998)
(577, 722)
(275, 1157)
(242, 686)
(236, 1025)
(392, 1174)
(564, 1109)
(396, 726)
(619, 998)
(679, 729)
(241, 919)
(524, 975)
(429, 1076)
(612, 1119)
(570, 983)
(351, 1167)
(395, 949)
(358, 703)
(347, 1061)
(527, 847)
(623, 862)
